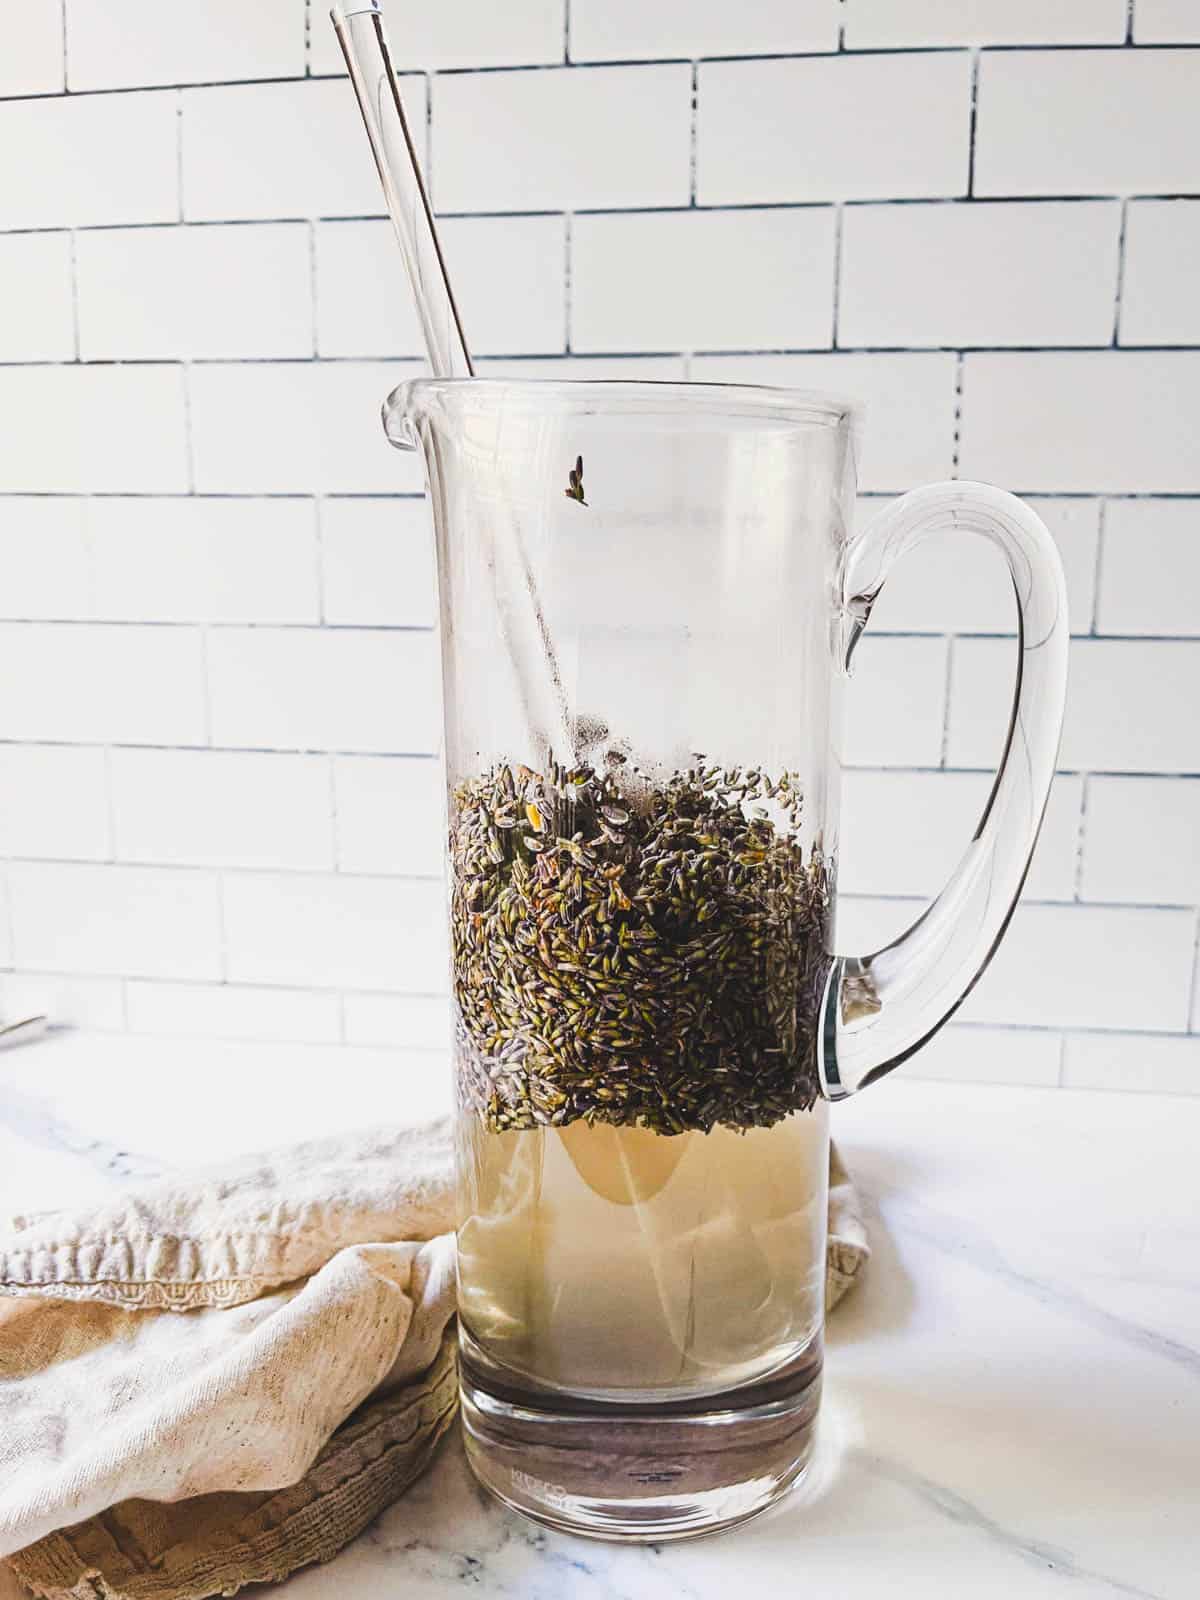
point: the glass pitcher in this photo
(650, 595)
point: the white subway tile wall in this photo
(1134, 1061)
(990, 274)
(102, 158)
(909, 403)
(950, 585)
(1131, 705)
(36, 320)
(389, 815)
(893, 24)
(156, 294)
(44, 564)
(377, 567)
(903, 832)
(222, 808)
(509, 280)
(518, 33)
(1127, 859)
(897, 702)
(1150, 581)
(1159, 299)
(844, 127)
(35, 63)
(408, 1021)
(196, 558)
(624, 30)
(1123, 421)
(703, 280)
(567, 138)
(220, 799)
(294, 428)
(324, 689)
(233, 1011)
(1166, 22)
(124, 921)
(278, 150)
(1046, 124)
(141, 42)
(90, 429)
(335, 931)
(92, 683)
(54, 802)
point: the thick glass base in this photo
(639, 1470)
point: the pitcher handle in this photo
(881, 1008)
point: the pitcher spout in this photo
(397, 418)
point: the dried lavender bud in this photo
(662, 964)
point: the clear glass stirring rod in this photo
(361, 34)
(364, 44)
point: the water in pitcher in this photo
(642, 1153)
(620, 1263)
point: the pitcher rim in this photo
(803, 406)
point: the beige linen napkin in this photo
(309, 1382)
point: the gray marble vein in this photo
(959, 1238)
(958, 1509)
(38, 1121)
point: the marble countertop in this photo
(1013, 1396)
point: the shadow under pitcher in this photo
(650, 596)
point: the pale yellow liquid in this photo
(613, 1261)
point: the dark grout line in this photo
(480, 215)
(568, 291)
(1098, 566)
(428, 158)
(335, 834)
(1081, 837)
(217, 625)
(694, 135)
(313, 276)
(206, 696)
(218, 749)
(412, 358)
(66, 50)
(189, 446)
(209, 494)
(1043, 900)
(947, 696)
(138, 864)
(1120, 286)
(1065, 494)
(217, 871)
(150, 88)
(875, 493)
(749, 58)
(871, 495)
(109, 623)
(619, 63)
(181, 209)
(832, 53)
(973, 123)
(74, 254)
(243, 624)
(867, 768)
